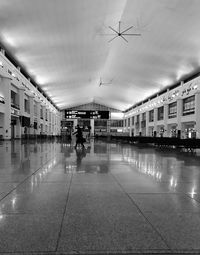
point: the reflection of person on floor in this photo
(80, 154)
(79, 137)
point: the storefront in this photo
(189, 130)
(172, 130)
(25, 123)
(15, 124)
(150, 131)
(161, 130)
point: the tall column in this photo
(21, 101)
(92, 127)
(124, 126)
(108, 126)
(54, 123)
(44, 119)
(21, 106)
(38, 118)
(57, 124)
(50, 124)
(166, 107)
(132, 125)
(31, 99)
(76, 123)
(7, 114)
(147, 123)
(155, 121)
(140, 124)
(130, 130)
(179, 115)
(197, 113)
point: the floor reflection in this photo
(175, 169)
(19, 159)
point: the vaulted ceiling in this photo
(64, 46)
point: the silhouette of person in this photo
(79, 137)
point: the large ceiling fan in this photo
(123, 33)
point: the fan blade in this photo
(119, 26)
(106, 34)
(123, 38)
(133, 34)
(113, 30)
(126, 29)
(113, 38)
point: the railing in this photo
(14, 105)
(188, 111)
(189, 144)
(172, 115)
(2, 100)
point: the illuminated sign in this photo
(70, 114)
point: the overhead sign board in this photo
(70, 114)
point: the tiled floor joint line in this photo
(133, 202)
(24, 180)
(65, 209)
(192, 198)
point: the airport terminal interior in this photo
(99, 127)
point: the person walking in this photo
(79, 137)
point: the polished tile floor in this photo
(108, 198)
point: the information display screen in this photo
(70, 114)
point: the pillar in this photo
(31, 99)
(44, 119)
(179, 115)
(7, 114)
(166, 107)
(130, 130)
(21, 106)
(147, 123)
(197, 113)
(48, 122)
(38, 118)
(108, 125)
(92, 127)
(155, 118)
(140, 124)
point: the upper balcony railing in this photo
(2, 100)
(14, 105)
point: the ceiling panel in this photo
(63, 45)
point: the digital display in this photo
(70, 114)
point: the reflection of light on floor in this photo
(144, 167)
(192, 193)
(173, 182)
(37, 178)
(71, 168)
(14, 202)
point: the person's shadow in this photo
(80, 154)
